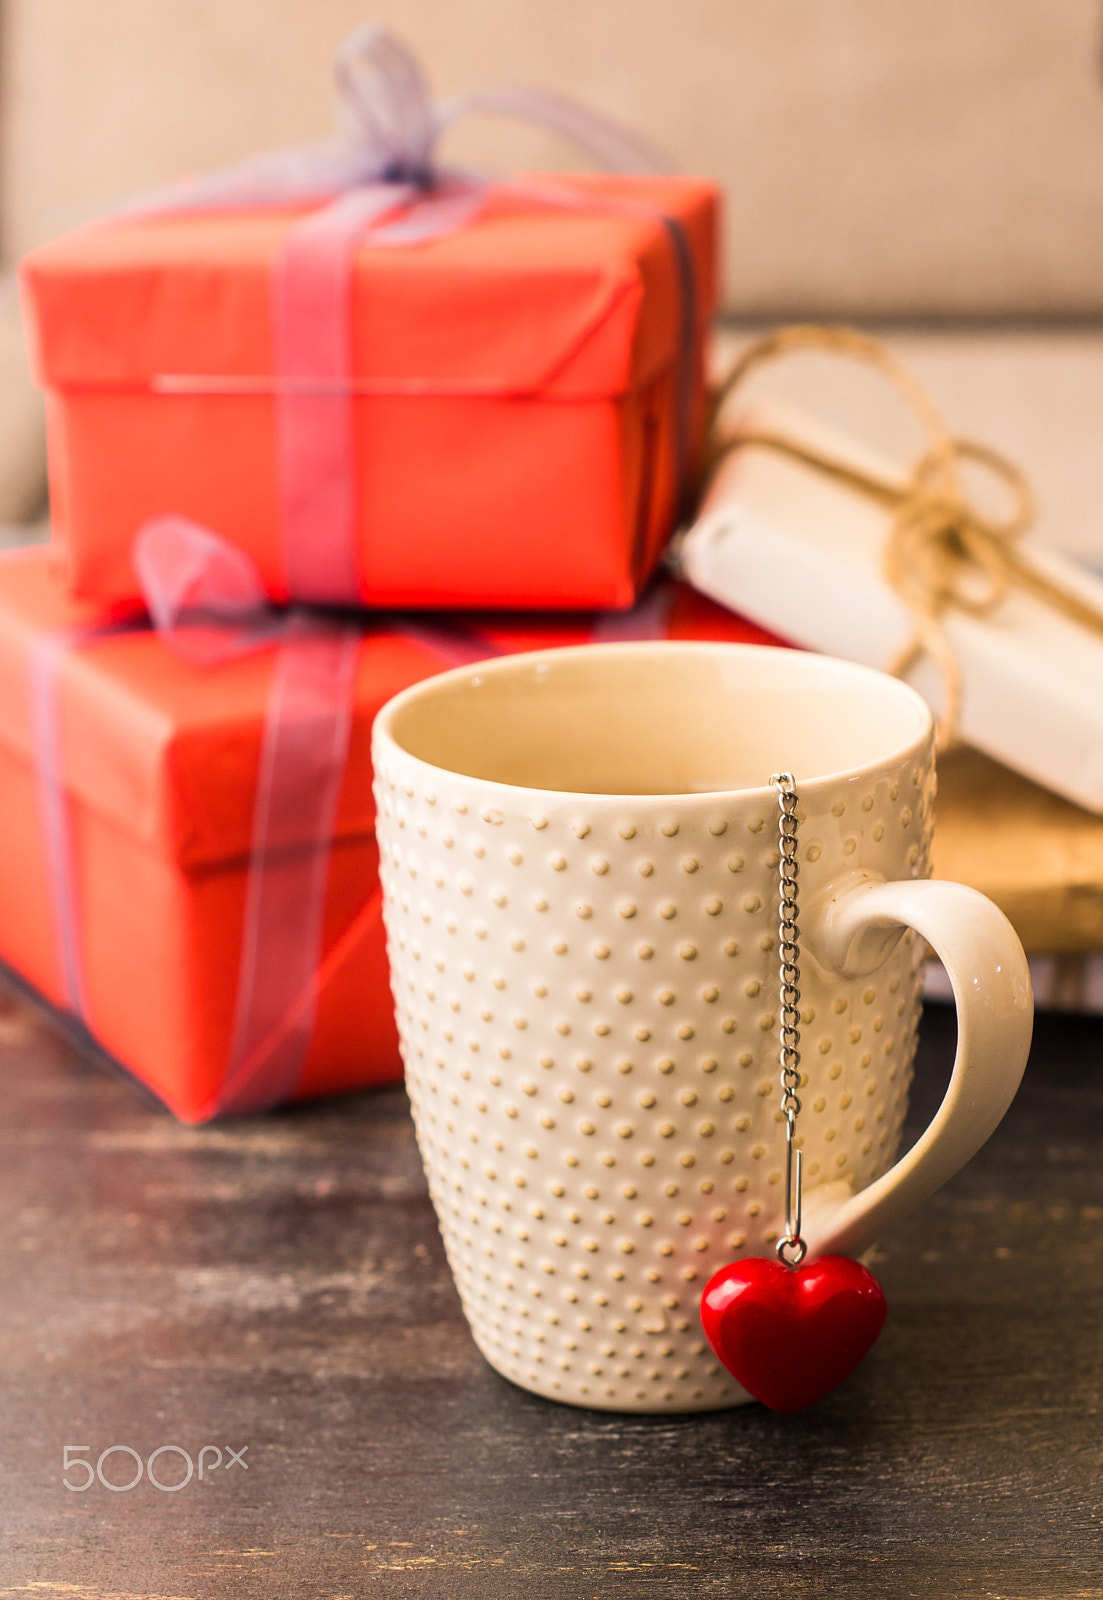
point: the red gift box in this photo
(144, 837)
(505, 413)
(156, 776)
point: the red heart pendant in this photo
(789, 1335)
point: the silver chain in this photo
(791, 1248)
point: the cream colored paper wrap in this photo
(800, 553)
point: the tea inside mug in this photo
(674, 718)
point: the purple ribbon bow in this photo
(207, 604)
(391, 128)
(385, 185)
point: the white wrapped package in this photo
(800, 553)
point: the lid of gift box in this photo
(526, 298)
(169, 751)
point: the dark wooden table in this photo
(278, 1284)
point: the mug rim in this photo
(522, 661)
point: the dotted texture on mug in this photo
(587, 1003)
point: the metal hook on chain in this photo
(791, 1248)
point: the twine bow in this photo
(941, 551)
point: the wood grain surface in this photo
(279, 1284)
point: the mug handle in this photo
(851, 930)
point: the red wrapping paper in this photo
(516, 389)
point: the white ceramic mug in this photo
(579, 860)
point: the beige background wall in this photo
(882, 156)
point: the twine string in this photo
(941, 551)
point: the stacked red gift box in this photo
(284, 403)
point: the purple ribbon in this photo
(47, 654)
(385, 185)
(462, 644)
(207, 604)
(649, 618)
(391, 128)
